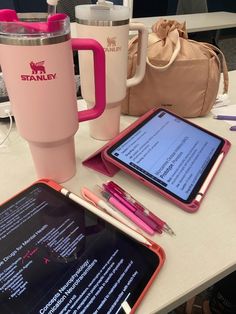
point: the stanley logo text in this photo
(38, 73)
(112, 45)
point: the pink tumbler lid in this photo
(54, 161)
(49, 25)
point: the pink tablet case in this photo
(102, 163)
(97, 162)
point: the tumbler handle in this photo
(142, 53)
(99, 77)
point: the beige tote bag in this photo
(182, 75)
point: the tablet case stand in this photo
(98, 163)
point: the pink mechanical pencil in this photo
(123, 209)
(125, 196)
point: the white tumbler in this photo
(109, 25)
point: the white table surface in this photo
(196, 22)
(203, 250)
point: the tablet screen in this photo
(57, 257)
(169, 152)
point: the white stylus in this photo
(132, 233)
(210, 176)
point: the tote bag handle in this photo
(174, 37)
(223, 64)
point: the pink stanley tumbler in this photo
(37, 64)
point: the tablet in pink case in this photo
(167, 153)
(59, 255)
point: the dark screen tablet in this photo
(168, 152)
(57, 257)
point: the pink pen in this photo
(123, 209)
(137, 211)
(131, 200)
